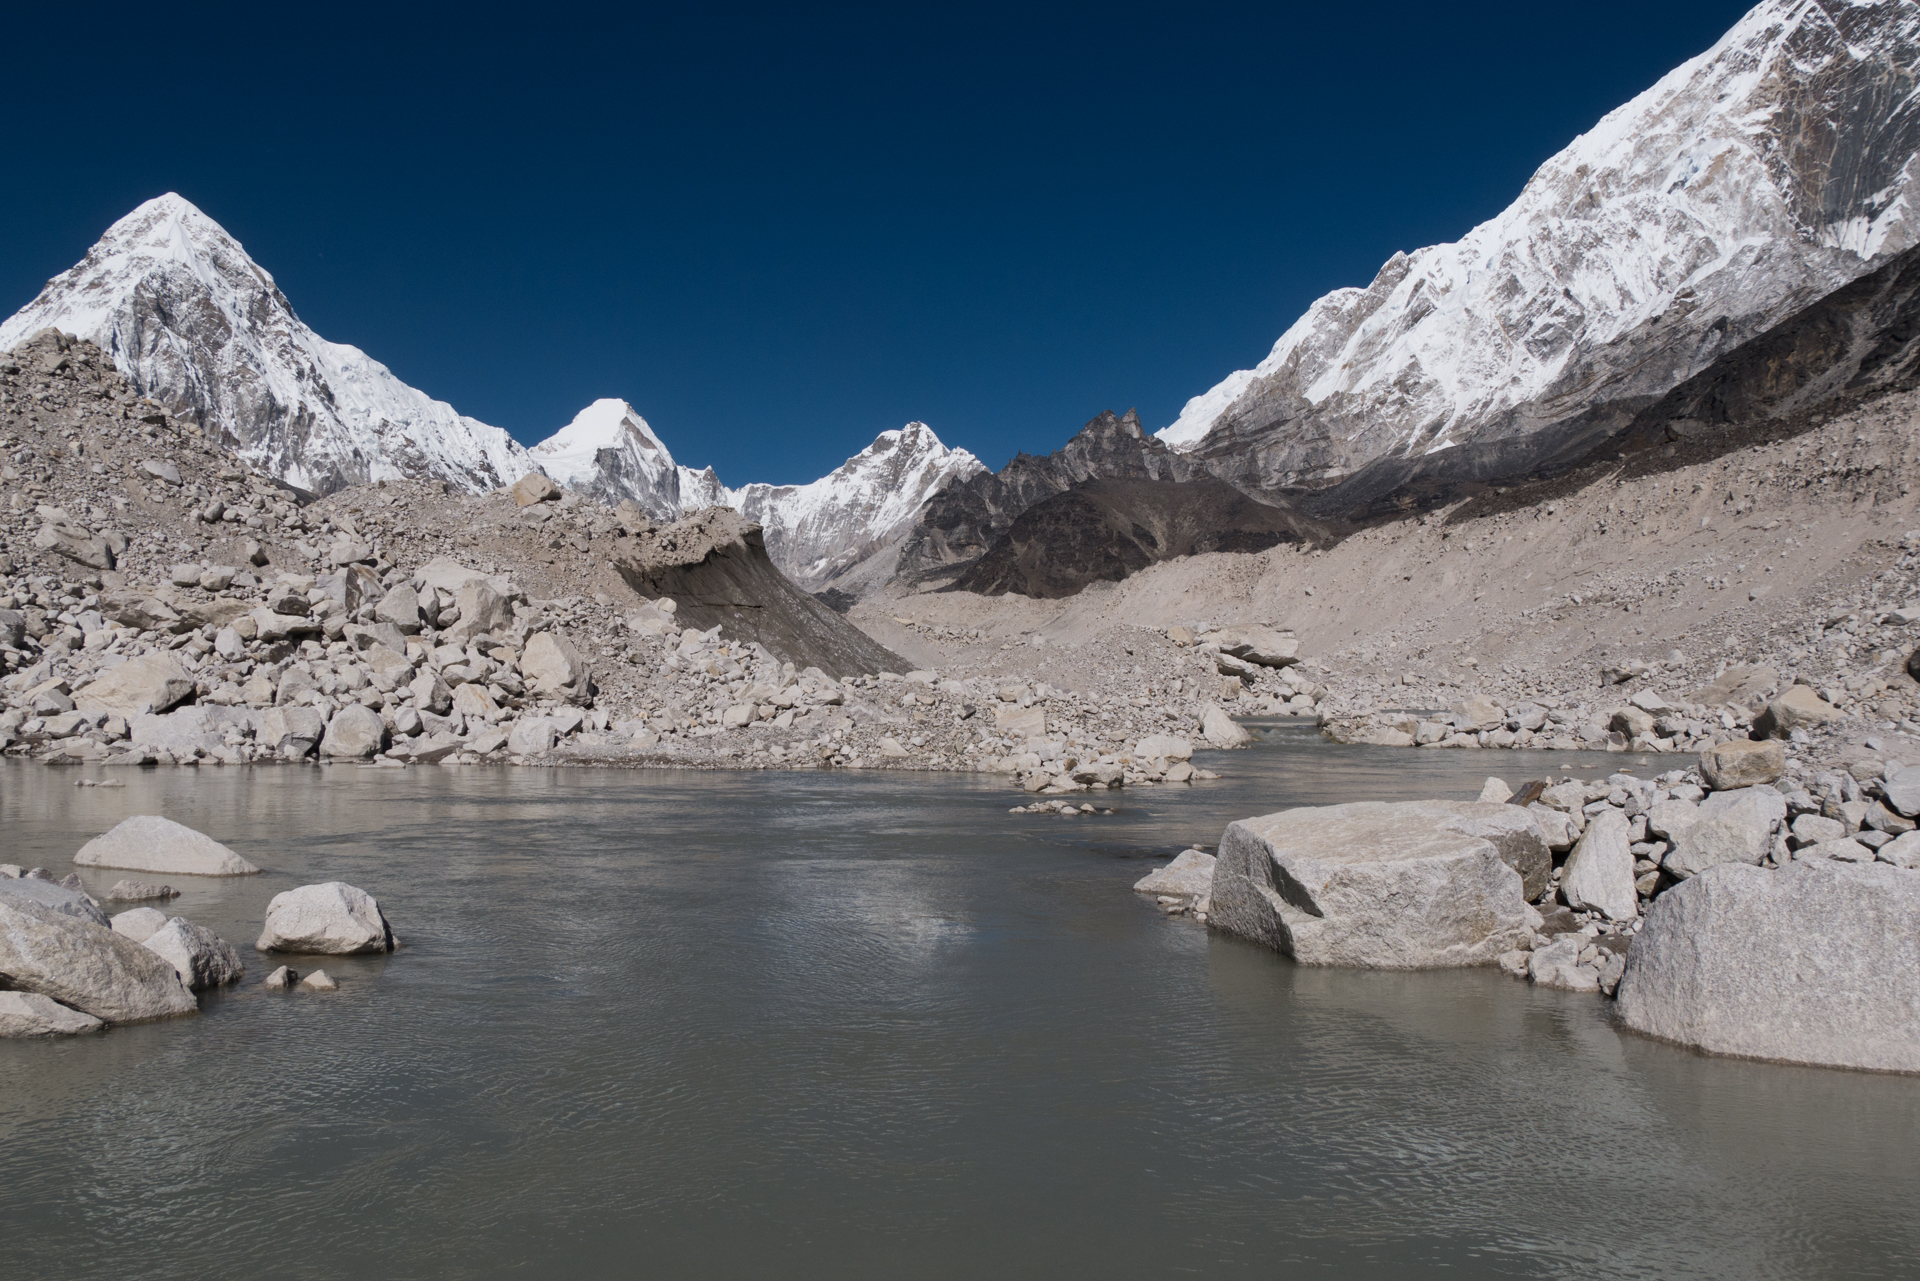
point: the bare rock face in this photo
(30, 1014)
(1417, 885)
(1731, 827)
(332, 919)
(961, 522)
(86, 966)
(138, 687)
(715, 566)
(150, 843)
(202, 958)
(1817, 963)
(1105, 529)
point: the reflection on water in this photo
(831, 1025)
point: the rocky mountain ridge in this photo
(1745, 184)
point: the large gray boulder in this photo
(332, 919)
(1728, 827)
(1817, 963)
(150, 843)
(555, 668)
(137, 687)
(86, 966)
(531, 736)
(202, 958)
(203, 726)
(292, 732)
(51, 894)
(31, 1014)
(1221, 730)
(1598, 876)
(354, 733)
(1414, 885)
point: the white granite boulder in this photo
(1598, 876)
(1220, 729)
(31, 1014)
(137, 687)
(86, 966)
(555, 668)
(202, 958)
(1189, 876)
(1817, 963)
(332, 919)
(139, 924)
(354, 733)
(149, 843)
(1728, 827)
(1414, 885)
(54, 896)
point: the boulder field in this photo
(66, 967)
(1762, 921)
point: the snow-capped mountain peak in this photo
(1751, 180)
(200, 327)
(609, 452)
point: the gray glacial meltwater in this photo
(831, 1025)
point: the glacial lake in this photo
(684, 1024)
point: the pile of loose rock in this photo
(1581, 885)
(68, 967)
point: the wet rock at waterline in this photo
(202, 958)
(332, 919)
(54, 897)
(128, 890)
(86, 966)
(31, 1014)
(150, 843)
(1415, 885)
(1189, 876)
(1818, 963)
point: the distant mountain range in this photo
(1748, 184)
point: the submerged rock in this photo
(1817, 963)
(149, 843)
(1389, 886)
(332, 918)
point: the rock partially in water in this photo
(150, 843)
(86, 966)
(281, 980)
(332, 919)
(319, 981)
(128, 890)
(1817, 963)
(54, 896)
(1189, 876)
(31, 1014)
(1415, 885)
(139, 924)
(203, 958)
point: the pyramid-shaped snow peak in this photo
(201, 328)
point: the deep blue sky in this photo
(779, 233)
